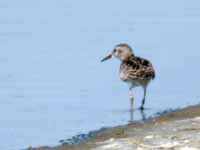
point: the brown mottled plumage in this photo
(137, 68)
(134, 70)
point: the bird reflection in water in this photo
(142, 113)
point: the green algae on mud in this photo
(123, 132)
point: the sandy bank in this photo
(178, 130)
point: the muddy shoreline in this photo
(169, 130)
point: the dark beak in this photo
(106, 58)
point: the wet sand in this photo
(173, 130)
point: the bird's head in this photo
(120, 51)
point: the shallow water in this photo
(52, 84)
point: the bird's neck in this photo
(132, 56)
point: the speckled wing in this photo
(138, 68)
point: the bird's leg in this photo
(143, 115)
(131, 116)
(131, 99)
(143, 100)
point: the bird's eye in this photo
(114, 50)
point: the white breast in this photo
(123, 76)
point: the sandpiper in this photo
(134, 70)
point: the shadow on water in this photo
(82, 138)
(142, 113)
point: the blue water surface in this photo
(52, 83)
